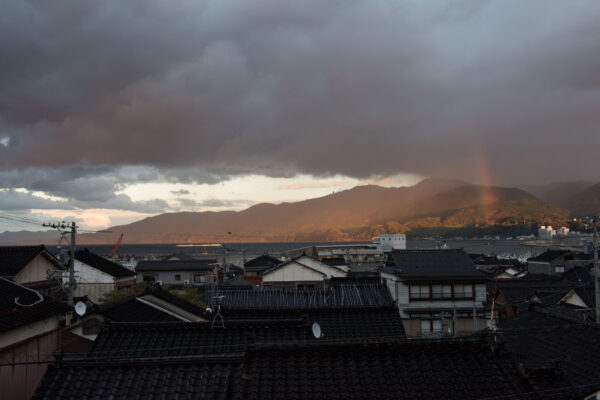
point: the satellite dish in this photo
(80, 308)
(316, 330)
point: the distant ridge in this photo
(354, 214)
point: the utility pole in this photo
(72, 265)
(61, 227)
(596, 275)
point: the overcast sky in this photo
(114, 110)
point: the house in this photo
(551, 262)
(29, 333)
(96, 276)
(153, 305)
(30, 264)
(437, 292)
(301, 272)
(258, 265)
(178, 272)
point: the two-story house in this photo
(438, 292)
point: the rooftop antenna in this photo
(218, 300)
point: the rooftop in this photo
(433, 264)
(175, 265)
(21, 306)
(14, 258)
(102, 264)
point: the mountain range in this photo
(433, 206)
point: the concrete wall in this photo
(20, 381)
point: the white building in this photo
(389, 242)
(546, 232)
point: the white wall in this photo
(36, 270)
(293, 272)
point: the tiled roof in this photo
(549, 255)
(131, 309)
(13, 315)
(175, 265)
(14, 258)
(171, 339)
(102, 264)
(336, 324)
(261, 262)
(465, 369)
(340, 296)
(542, 340)
(157, 291)
(202, 378)
(433, 263)
(461, 370)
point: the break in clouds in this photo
(199, 91)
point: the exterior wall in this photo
(87, 274)
(539, 267)
(94, 291)
(389, 242)
(20, 381)
(36, 270)
(293, 272)
(168, 277)
(464, 326)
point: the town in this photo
(360, 320)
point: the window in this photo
(559, 268)
(177, 277)
(148, 278)
(441, 292)
(463, 291)
(419, 291)
(91, 327)
(431, 327)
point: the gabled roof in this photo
(102, 264)
(21, 306)
(549, 255)
(262, 261)
(131, 309)
(14, 258)
(175, 265)
(436, 263)
(295, 260)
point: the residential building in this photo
(30, 264)
(551, 262)
(257, 265)
(437, 292)
(178, 272)
(301, 272)
(29, 333)
(96, 276)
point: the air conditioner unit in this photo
(159, 282)
(186, 282)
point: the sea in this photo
(237, 251)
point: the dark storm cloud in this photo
(205, 90)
